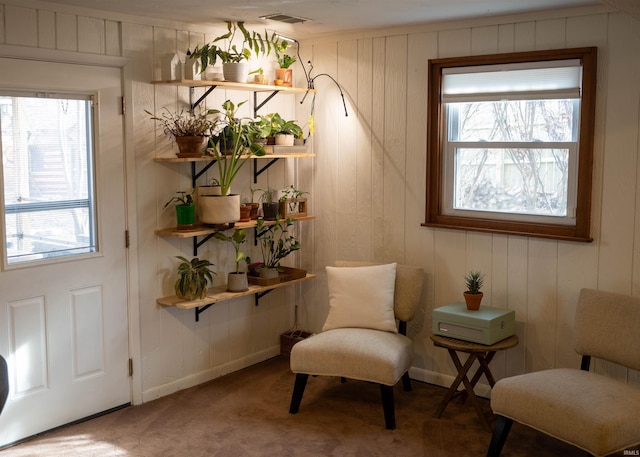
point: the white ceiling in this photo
(329, 16)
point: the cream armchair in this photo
(596, 413)
(350, 349)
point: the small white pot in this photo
(219, 209)
(236, 71)
(283, 139)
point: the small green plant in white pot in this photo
(276, 243)
(236, 280)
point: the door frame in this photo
(131, 222)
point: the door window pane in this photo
(47, 157)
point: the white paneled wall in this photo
(380, 151)
(367, 187)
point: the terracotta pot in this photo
(245, 213)
(190, 146)
(473, 301)
(254, 210)
(286, 75)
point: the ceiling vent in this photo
(284, 18)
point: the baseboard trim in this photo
(208, 375)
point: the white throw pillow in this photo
(361, 297)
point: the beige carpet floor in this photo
(246, 414)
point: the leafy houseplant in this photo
(230, 53)
(292, 202)
(194, 276)
(474, 280)
(190, 131)
(232, 146)
(281, 128)
(270, 205)
(185, 210)
(284, 73)
(259, 76)
(236, 281)
(276, 243)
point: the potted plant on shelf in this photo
(237, 280)
(270, 204)
(259, 77)
(231, 147)
(276, 243)
(473, 296)
(185, 210)
(189, 130)
(284, 73)
(284, 131)
(235, 58)
(292, 202)
(193, 278)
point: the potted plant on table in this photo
(276, 243)
(235, 58)
(189, 130)
(474, 281)
(232, 146)
(236, 281)
(185, 210)
(284, 73)
(194, 277)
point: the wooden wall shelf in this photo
(219, 294)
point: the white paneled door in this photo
(63, 322)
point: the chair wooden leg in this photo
(298, 391)
(406, 382)
(388, 406)
(500, 433)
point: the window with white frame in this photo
(510, 143)
(47, 174)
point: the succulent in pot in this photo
(284, 73)
(474, 280)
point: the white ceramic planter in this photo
(219, 209)
(284, 139)
(236, 71)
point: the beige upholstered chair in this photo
(382, 357)
(593, 412)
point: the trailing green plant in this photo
(239, 236)
(474, 280)
(253, 43)
(183, 123)
(285, 61)
(291, 192)
(194, 277)
(276, 242)
(183, 198)
(234, 143)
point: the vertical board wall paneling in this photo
(91, 35)
(394, 147)
(66, 32)
(46, 29)
(379, 108)
(362, 109)
(347, 170)
(420, 48)
(20, 26)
